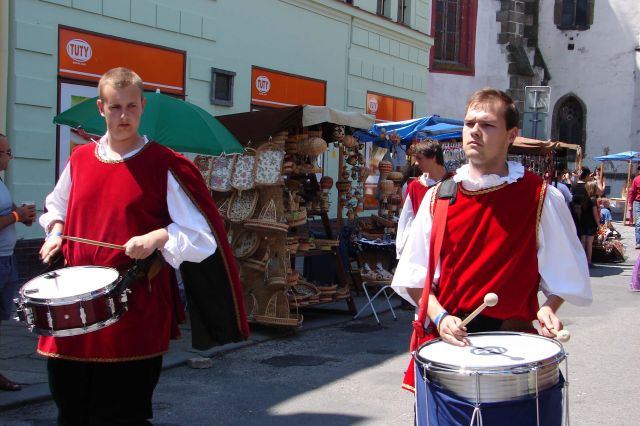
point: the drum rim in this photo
(502, 369)
(90, 295)
(78, 330)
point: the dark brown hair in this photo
(489, 95)
(430, 148)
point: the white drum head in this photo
(491, 350)
(69, 282)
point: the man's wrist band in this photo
(54, 234)
(15, 216)
(439, 317)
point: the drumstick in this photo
(93, 242)
(562, 335)
(490, 299)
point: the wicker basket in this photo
(220, 176)
(269, 165)
(242, 205)
(244, 171)
(203, 163)
(245, 244)
(277, 312)
(267, 220)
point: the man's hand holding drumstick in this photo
(453, 330)
(138, 247)
(52, 243)
(550, 324)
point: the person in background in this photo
(589, 219)
(429, 158)
(562, 187)
(578, 193)
(605, 214)
(601, 180)
(633, 198)
(9, 216)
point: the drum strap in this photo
(446, 191)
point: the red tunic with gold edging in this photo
(490, 245)
(112, 202)
(416, 192)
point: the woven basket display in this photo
(242, 205)
(307, 289)
(223, 207)
(220, 177)
(244, 171)
(269, 165)
(277, 312)
(203, 163)
(245, 244)
(267, 220)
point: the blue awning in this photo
(434, 127)
(621, 156)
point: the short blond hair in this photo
(120, 77)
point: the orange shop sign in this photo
(277, 90)
(389, 108)
(84, 55)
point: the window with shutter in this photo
(573, 14)
(453, 27)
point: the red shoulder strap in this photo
(435, 246)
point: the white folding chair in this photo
(371, 286)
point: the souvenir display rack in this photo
(266, 196)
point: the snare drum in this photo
(501, 378)
(72, 301)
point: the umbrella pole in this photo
(626, 198)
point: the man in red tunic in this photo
(506, 232)
(127, 190)
(430, 160)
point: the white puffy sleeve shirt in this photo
(190, 238)
(406, 218)
(561, 260)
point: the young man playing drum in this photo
(505, 232)
(127, 190)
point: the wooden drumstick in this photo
(93, 242)
(562, 335)
(490, 299)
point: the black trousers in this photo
(104, 393)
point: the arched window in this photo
(573, 14)
(570, 121)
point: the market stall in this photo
(270, 197)
(630, 157)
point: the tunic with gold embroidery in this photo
(114, 201)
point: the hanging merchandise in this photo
(244, 171)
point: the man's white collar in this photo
(105, 153)
(516, 171)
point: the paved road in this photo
(348, 372)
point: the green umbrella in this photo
(172, 122)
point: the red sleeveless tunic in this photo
(416, 192)
(490, 245)
(112, 202)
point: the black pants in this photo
(101, 393)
